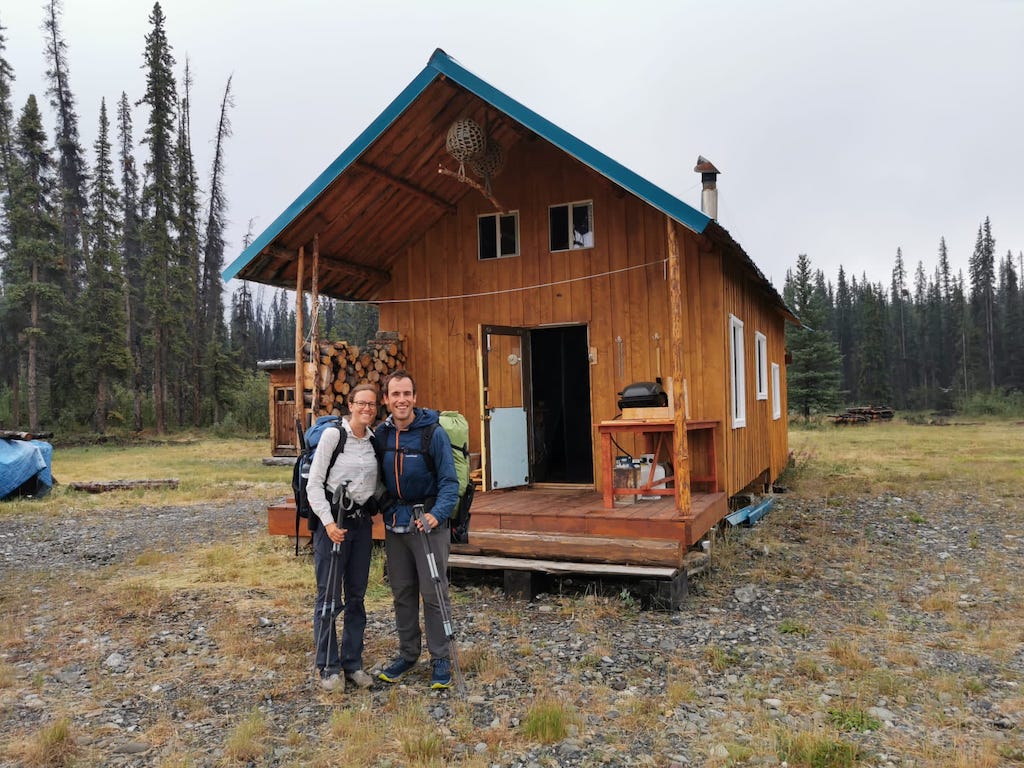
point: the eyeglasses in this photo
(363, 404)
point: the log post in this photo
(314, 316)
(680, 448)
(299, 399)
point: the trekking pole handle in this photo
(418, 514)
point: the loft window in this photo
(737, 373)
(571, 226)
(776, 393)
(498, 235)
(761, 364)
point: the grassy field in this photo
(209, 470)
(987, 457)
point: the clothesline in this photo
(516, 290)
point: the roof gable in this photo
(442, 66)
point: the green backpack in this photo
(457, 428)
(455, 424)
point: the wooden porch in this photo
(572, 523)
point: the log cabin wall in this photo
(443, 344)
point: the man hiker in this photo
(410, 479)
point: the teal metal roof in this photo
(441, 64)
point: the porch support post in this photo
(314, 323)
(680, 450)
(300, 395)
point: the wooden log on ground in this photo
(9, 434)
(123, 485)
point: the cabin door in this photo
(505, 369)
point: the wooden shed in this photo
(534, 279)
(281, 388)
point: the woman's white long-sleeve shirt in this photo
(357, 464)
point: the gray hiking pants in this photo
(411, 580)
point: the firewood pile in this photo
(863, 414)
(342, 366)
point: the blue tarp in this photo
(25, 461)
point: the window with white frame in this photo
(776, 393)
(498, 235)
(737, 373)
(571, 226)
(761, 364)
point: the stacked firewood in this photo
(342, 366)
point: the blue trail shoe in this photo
(393, 672)
(442, 674)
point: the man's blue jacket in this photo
(407, 474)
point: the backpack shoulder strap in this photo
(378, 448)
(426, 435)
(339, 448)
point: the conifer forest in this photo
(112, 307)
(114, 316)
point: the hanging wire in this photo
(537, 286)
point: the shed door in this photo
(284, 421)
(505, 363)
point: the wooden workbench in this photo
(658, 434)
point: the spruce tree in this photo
(72, 174)
(898, 333)
(131, 254)
(948, 342)
(164, 328)
(981, 337)
(813, 376)
(1011, 324)
(212, 333)
(6, 120)
(9, 323)
(104, 307)
(185, 384)
(33, 265)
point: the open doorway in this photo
(560, 403)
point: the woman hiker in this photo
(342, 546)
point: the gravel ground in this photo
(892, 625)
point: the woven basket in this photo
(466, 140)
(489, 163)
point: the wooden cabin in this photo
(534, 278)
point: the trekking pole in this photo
(327, 613)
(341, 503)
(446, 619)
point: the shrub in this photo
(248, 412)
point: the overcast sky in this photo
(843, 130)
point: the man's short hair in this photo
(401, 373)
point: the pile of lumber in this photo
(863, 414)
(341, 366)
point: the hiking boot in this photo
(358, 678)
(394, 671)
(332, 682)
(441, 677)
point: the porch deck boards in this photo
(581, 512)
